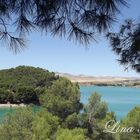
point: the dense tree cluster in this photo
(25, 124)
(62, 98)
(43, 125)
(132, 120)
(60, 114)
(26, 76)
(24, 84)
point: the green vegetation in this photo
(61, 116)
(17, 126)
(24, 84)
(62, 98)
(132, 120)
(66, 134)
(95, 116)
(25, 124)
(44, 125)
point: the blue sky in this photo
(61, 55)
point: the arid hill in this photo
(102, 81)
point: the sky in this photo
(60, 55)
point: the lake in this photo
(119, 99)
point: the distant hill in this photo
(102, 81)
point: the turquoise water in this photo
(119, 99)
(4, 111)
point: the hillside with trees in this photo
(24, 84)
(62, 115)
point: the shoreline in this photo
(11, 105)
(106, 85)
(109, 86)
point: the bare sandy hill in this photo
(105, 80)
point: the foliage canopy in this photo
(77, 19)
(24, 84)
